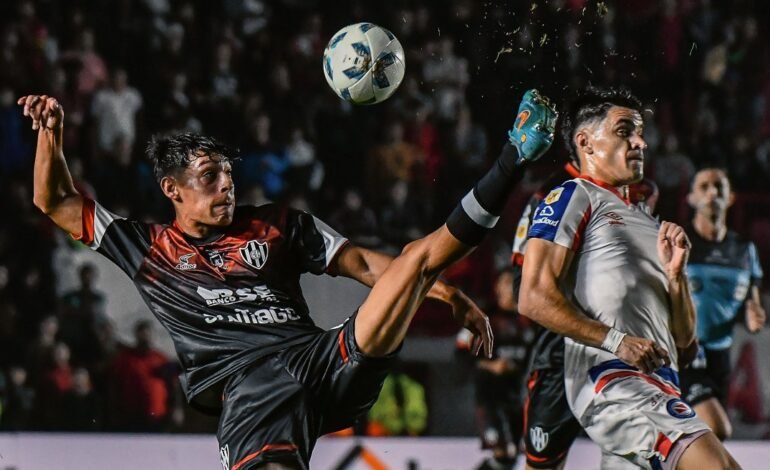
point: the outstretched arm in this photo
(54, 192)
(367, 266)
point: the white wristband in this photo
(612, 340)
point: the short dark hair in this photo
(170, 153)
(593, 103)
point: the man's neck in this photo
(194, 228)
(710, 228)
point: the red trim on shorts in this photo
(530, 386)
(578, 240)
(554, 461)
(266, 448)
(88, 213)
(517, 259)
(663, 445)
(604, 381)
(343, 348)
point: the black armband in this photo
(480, 209)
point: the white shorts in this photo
(638, 420)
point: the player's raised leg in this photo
(384, 317)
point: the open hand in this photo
(755, 316)
(45, 111)
(673, 249)
(469, 315)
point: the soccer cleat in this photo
(533, 130)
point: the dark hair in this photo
(170, 153)
(593, 103)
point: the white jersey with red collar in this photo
(615, 277)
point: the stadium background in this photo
(249, 72)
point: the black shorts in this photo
(707, 377)
(549, 426)
(275, 410)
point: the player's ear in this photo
(170, 189)
(583, 142)
(731, 199)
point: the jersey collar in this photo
(211, 237)
(572, 170)
(614, 190)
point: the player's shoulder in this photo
(565, 191)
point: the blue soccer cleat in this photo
(532, 132)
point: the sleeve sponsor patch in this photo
(549, 213)
(562, 216)
(554, 195)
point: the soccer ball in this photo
(364, 63)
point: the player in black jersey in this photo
(224, 282)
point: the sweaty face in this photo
(206, 191)
(614, 147)
(710, 193)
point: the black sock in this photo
(480, 209)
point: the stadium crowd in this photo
(249, 72)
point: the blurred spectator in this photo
(114, 110)
(90, 67)
(18, 401)
(305, 171)
(263, 162)
(81, 407)
(142, 395)
(672, 171)
(13, 148)
(400, 217)
(393, 161)
(39, 353)
(449, 74)
(52, 386)
(355, 220)
(82, 310)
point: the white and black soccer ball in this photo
(364, 63)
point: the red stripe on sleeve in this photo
(86, 234)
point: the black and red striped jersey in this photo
(226, 300)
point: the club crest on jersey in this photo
(554, 195)
(217, 259)
(185, 264)
(254, 253)
(679, 409)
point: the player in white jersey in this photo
(612, 280)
